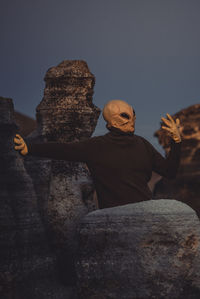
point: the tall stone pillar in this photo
(66, 112)
(65, 191)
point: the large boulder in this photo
(143, 250)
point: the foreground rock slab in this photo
(144, 250)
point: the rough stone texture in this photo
(43, 200)
(65, 190)
(185, 187)
(144, 250)
(24, 254)
(66, 112)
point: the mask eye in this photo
(125, 115)
(133, 112)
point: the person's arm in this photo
(76, 151)
(168, 167)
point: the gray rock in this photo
(64, 190)
(66, 112)
(144, 250)
(24, 254)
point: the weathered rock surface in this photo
(24, 254)
(66, 112)
(145, 250)
(185, 187)
(65, 190)
(43, 200)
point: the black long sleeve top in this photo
(121, 165)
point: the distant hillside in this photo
(26, 124)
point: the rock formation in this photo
(65, 190)
(42, 201)
(24, 254)
(144, 250)
(124, 251)
(185, 187)
(66, 112)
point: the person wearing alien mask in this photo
(120, 162)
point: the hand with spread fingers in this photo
(172, 127)
(20, 145)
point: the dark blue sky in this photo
(144, 52)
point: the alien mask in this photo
(120, 115)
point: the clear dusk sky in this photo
(146, 52)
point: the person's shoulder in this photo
(138, 136)
(95, 140)
(99, 138)
(145, 142)
(141, 139)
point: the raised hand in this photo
(173, 127)
(20, 145)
